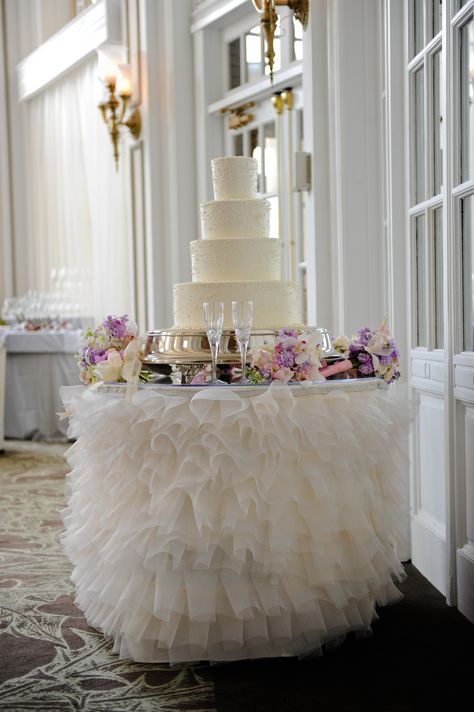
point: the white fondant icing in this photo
(229, 260)
(234, 178)
(236, 260)
(235, 218)
(275, 303)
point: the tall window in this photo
(462, 24)
(426, 172)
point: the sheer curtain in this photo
(76, 201)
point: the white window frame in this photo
(429, 203)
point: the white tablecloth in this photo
(2, 392)
(227, 523)
(38, 364)
(43, 342)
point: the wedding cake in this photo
(236, 259)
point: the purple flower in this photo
(364, 335)
(355, 348)
(116, 326)
(93, 356)
(385, 360)
(284, 356)
(287, 360)
(366, 366)
(288, 332)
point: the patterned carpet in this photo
(50, 658)
(52, 661)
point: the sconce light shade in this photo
(124, 81)
(109, 57)
(116, 75)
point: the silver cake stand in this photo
(182, 353)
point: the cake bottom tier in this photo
(275, 303)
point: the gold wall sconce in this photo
(238, 117)
(116, 76)
(269, 20)
(282, 100)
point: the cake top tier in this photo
(234, 178)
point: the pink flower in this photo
(283, 374)
(262, 359)
(200, 377)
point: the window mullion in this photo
(429, 183)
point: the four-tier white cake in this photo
(236, 259)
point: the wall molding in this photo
(7, 253)
(99, 24)
(465, 576)
(429, 549)
(210, 12)
(138, 233)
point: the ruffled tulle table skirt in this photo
(222, 524)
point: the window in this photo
(462, 28)
(426, 170)
(245, 49)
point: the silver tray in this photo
(190, 346)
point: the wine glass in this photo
(214, 321)
(242, 318)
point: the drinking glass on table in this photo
(214, 321)
(242, 318)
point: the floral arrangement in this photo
(372, 353)
(294, 356)
(45, 324)
(111, 352)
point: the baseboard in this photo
(465, 580)
(428, 545)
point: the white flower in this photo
(110, 369)
(307, 349)
(131, 361)
(133, 350)
(341, 345)
(376, 347)
(131, 328)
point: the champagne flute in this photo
(214, 321)
(242, 318)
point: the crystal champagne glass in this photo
(214, 321)
(242, 318)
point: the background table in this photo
(229, 523)
(38, 364)
(3, 353)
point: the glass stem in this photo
(214, 352)
(243, 358)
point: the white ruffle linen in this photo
(216, 524)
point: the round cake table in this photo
(234, 522)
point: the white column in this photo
(168, 133)
(208, 128)
(7, 281)
(320, 211)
